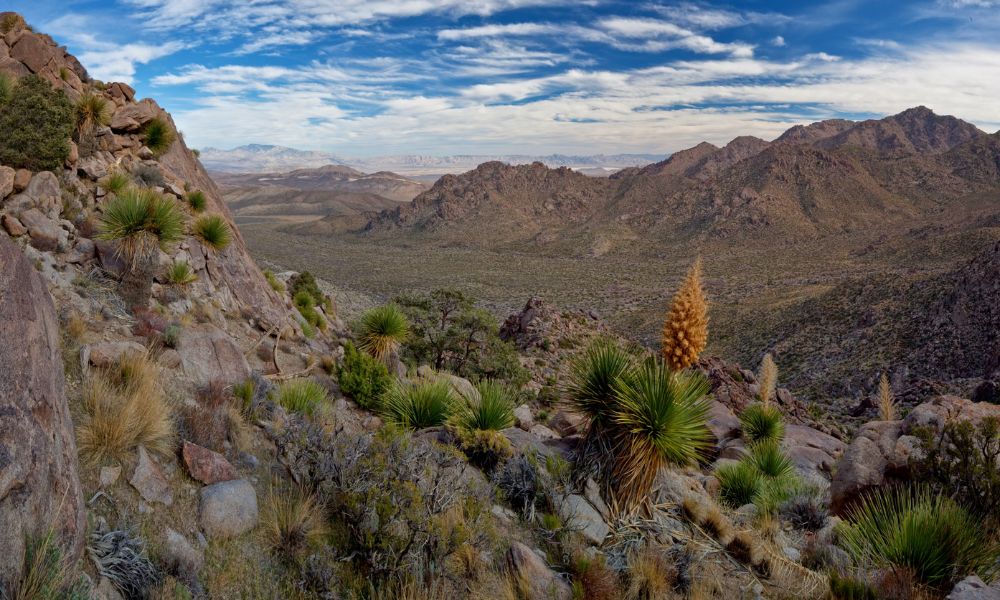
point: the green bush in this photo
(6, 88)
(362, 377)
(739, 483)
(158, 136)
(37, 122)
(382, 330)
(928, 534)
(304, 303)
(494, 410)
(302, 396)
(116, 182)
(213, 231)
(761, 422)
(418, 406)
(197, 200)
(306, 282)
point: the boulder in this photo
(39, 481)
(32, 51)
(47, 195)
(578, 515)
(22, 177)
(974, 588)
(542, 582)
(132, 117)
(83, 251)
(813, 453)
(13, 226)
(149, 481)
(228, 508)
(527, 443)
(208, 354)
(722, 422)
(206, 465)
(6, 181)
(523, 417)
(45, 233)
(104, 354)
(566, 423)
(543, 433)
(179, 555)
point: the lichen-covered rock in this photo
(228, 508)
(542, 582)
(39, 482)
(974, 588)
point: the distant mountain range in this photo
(259, 158)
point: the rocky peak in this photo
(914, 131)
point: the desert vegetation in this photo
(37, 122)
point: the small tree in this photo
(140, 221)
(36, 123)
(685, 331)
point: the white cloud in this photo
(778, 41)
(656, 35)
(511, 29)
(710, 18)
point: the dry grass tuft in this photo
(76, 327)
(717, 525)
(742, 547)
(649, 577)
(886, 400)
(293, 521)
(685, 331)
(125, 407)
(693, 509)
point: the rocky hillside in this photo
(815, 180)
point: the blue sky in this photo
(374, 77)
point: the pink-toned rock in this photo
(538, 577)
(567, 423)
(132, 117)
(149, 481)
(43, 230)
(39, 481)
(206, 465)
(103, 354)
(32, 50)
(13, 226)
(6, 181)
(22, 177)
(722, 422)
(121, 91)
(208, 354)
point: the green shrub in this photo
(417, 406)
(10, 22)
(382, 330)
(762, 422)
(302, 396)
(926, 533)
(362, 377)
(197, 200)
(37, 123)
(306, 282)
(180, 273)
(116, 182)
(158, 136)
(213, 231)
(767, 457)
(304, 303)
(274, 282)
(739, 483)
(6, 87)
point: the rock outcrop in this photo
(39, 484)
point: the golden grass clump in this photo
(125, 408)
(886, 400)
(293, 521)
(650, 578)
(685, 331)
(768, 379)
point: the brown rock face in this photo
(208, 354)
(205, 465)
(39, 483)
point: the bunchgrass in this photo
(213, 231)
(197, 200)
(383, 329)
(739, 483)
(767, 457)
(492, 412)
(158, 136)
(140, 221)
(760, 422)
(274, 282)
(116, 181)
(92, 111)
(420, 405)
(180, 273)
(926, 533)
(293, 521)
(45, 573)
(304, 396)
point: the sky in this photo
(443, 77)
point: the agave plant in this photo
(420, 405)
(660, 417)
(760, 422)
(140, 221)
(928, 534)
(383, 330)
(213, 231)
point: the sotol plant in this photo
(140, 221)
(383, 330)
(213, 231)
(685, 331)
(478, 424)
(197, 200)
(886, 401)
(420, 405)
(179, 273)
(303, 396)
(92, 111)
(158, 136)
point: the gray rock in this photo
(179, 555)
(208, 354)
(39, 481)
(792, 554)
(523, 417)
(109, 475)
(592, 492)
(83, 251)
(106, 590)
(543, 582)
(45, 233)
(228, 508)
(543, 433)
(579, 515)
(566, 423)
(974, 588)
(149, 481)
(92, 167)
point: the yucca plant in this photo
(213, 231)
(92, 111)
(590, 392)
(760, 422)
(420, 405)
(197, 200)
(383, 330)
(492, 412)
(928, 534)
(660, 417)
(158, 136)
(767, 457)
(304, 396)
(180, 273)
(116, 182)
(768, 379)
(740, 483)
(140, 222)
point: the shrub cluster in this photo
(362, 377)
(37, 122)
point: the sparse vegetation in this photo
(92, 111)
(196, 200)
(213, 231)
(125, 408)
(158, 136)
(419, 405)
(274, 282)
(926, 533)
(293, 520)
(886, 401)
(304, 303)
(180, 273)
(116, 182)
(478, 424)
(46, 574)
(37, 122)
(760, 422)
(148, 176)
(685, 331)
(382, 331)
(302, 395)
(362, 377)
